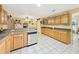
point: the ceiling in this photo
(33, 10)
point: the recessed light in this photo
(38, 5)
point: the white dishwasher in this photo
(32, 38)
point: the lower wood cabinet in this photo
(60, 35)
(18, 41)
(7, 44)
(44, 31)
(65, 37)
(57, 34)
(25, 40)
(2, 48)
(12, 42)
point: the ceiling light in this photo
(38, 5)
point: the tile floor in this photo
(47, 45)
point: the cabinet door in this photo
(51, 33)
(2, 47)
(7, 44)
(18, 41)
(53, 21)
(65, 37)
(57, 35)
(64, 19)
(11, 43)
(42, 30)
(57, 20)
(25, 40)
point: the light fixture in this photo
(38, 5)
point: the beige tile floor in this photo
(47, 45)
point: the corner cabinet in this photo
(7, 46)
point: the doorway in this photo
(75, 25)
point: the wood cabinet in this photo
(2, 47)
(43, 30)
(57, 34)
(62, 19)
(3, 16)
(65, 19)
(12, 42)
(53, 21)
(49, 21)
(57, 20)
(18, 41)
(7, 44)
(6, 20)
(60, 35)
(45, 21)
(25, 40)
(65, 37)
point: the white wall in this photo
(30, 18)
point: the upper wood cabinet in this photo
(49, 21)
(2, 47)
(53, 21)
(3, 15)
(45, 21)
(57, 20)
(64, 19)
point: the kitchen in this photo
(24, 31)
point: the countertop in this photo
(5, 33)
